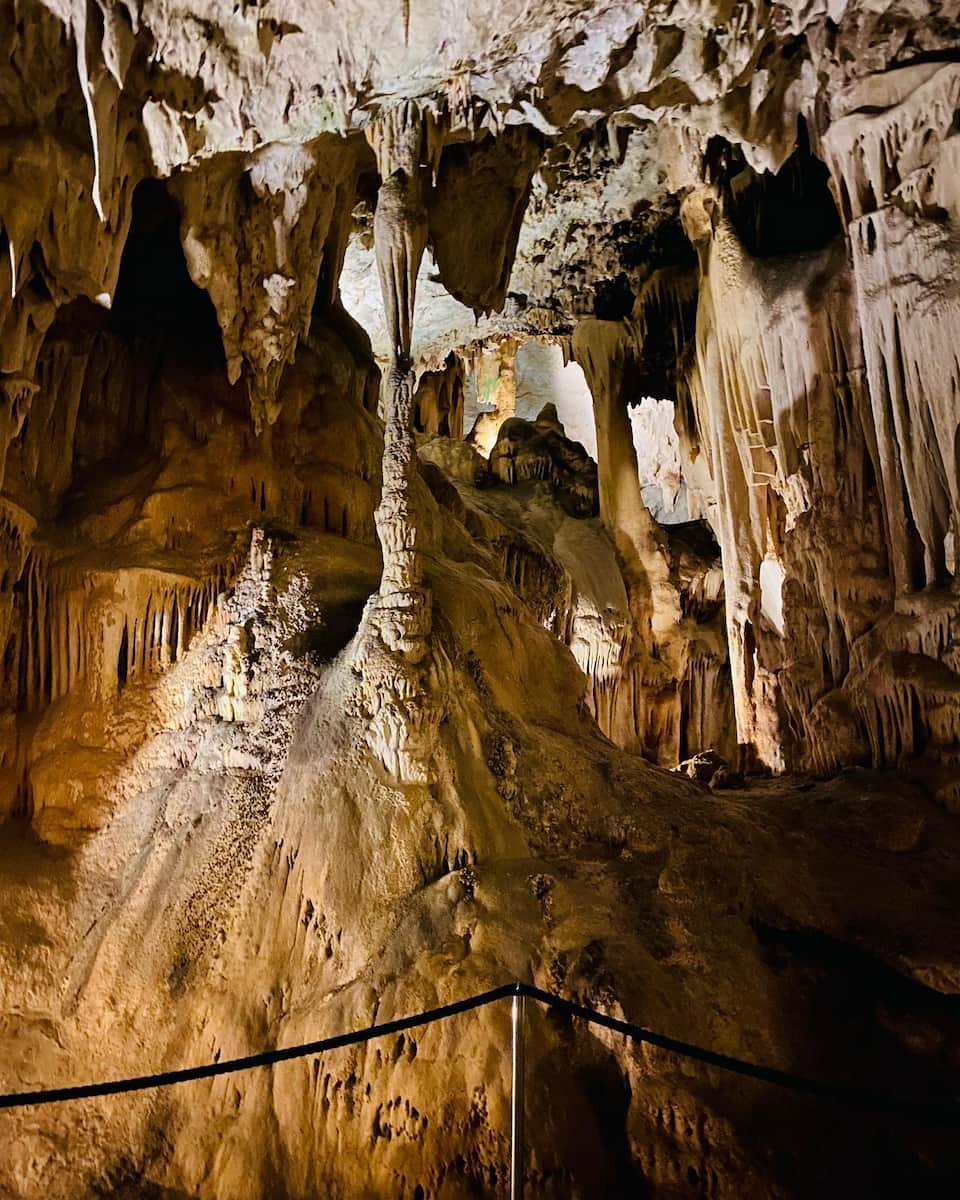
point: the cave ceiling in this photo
(255, 113)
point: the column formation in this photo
(394, 648)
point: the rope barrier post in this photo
(516, 1101)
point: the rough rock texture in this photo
(127, 504)
(340, 663)
(439, 400)
(659, 465)
(213, 915)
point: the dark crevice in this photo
(873, 1022)
(123, 658)
(155, 294)
(790, 212)
(613, 298)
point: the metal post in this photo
(516, 1102)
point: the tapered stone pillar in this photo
(393, 651)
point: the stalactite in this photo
(255, 235)
(154, 620)
(89, 634)
(892, 139)
(805, 416)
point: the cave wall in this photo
(268, 781)
(815, 408)
(130, 487)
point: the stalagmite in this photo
(496, 384)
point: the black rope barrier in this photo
(265, 1059)
(931, 1110)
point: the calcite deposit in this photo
(479, 502)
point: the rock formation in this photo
(479, 501)
(394, 644)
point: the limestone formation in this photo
(439, 400)
(495, 382)
(256, 236)
(479, 501)
(394, 646)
